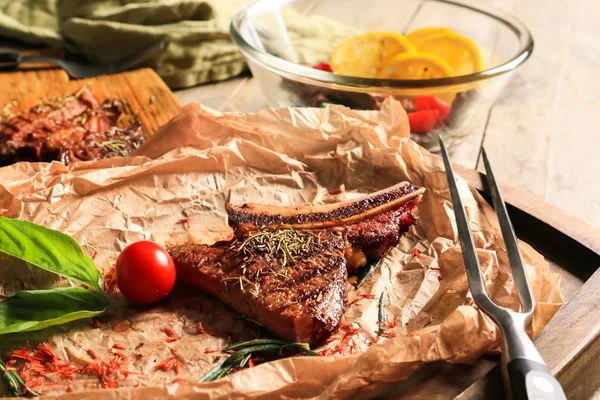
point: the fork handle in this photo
(526, 375)
(531, 380)
(10, 59)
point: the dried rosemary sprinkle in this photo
(115, 146)
(284, 244)
(6, 112)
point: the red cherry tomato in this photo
(145, 272)
(323, 67)
(432, 103)
(423, 121)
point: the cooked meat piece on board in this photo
(112, 142)
(287, 266)
(69, 128)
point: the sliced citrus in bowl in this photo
(418, 65)
(417, 35)
(460, 52)
(415, 65)
(364, 55)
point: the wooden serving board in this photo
(143, 91)
(570, 343)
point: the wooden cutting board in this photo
(144, 92)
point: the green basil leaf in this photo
(31, 310)
(48, 249)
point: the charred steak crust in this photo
(300, 300)
(243, 215)
(374, 236)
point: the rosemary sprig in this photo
(246, 350)
(365, 272)
(16, 384)
(382, 314)
(256, 342)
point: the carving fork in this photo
(526, 376)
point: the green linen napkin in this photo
(197, 31)
(199, 48)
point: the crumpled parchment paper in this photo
(200, 160)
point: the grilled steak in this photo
(68, 128)
(300, 300)
(287, 266)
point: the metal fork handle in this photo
(10, 59)
(526, 376)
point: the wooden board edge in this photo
(158, 80)
(575, 329)
(547, 213)
(570, 334)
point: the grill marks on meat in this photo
(69, 128)
(302, 302)
(297, 287)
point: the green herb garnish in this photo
(16, 384)
(116, 146)
(382, 314)
(244, 351)
(30, 310)
(56, 252)
(48, 249)
(285, 244)
(365, 272)
(324, 104)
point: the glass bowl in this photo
(283, 39)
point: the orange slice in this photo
(415, 65)
(460, 52)
(364, 55)
(417, 35)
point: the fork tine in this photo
(510, 239)
(472, 267)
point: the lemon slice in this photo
(417, 35)
(457, 50)
(364, 55)
(415, 65)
